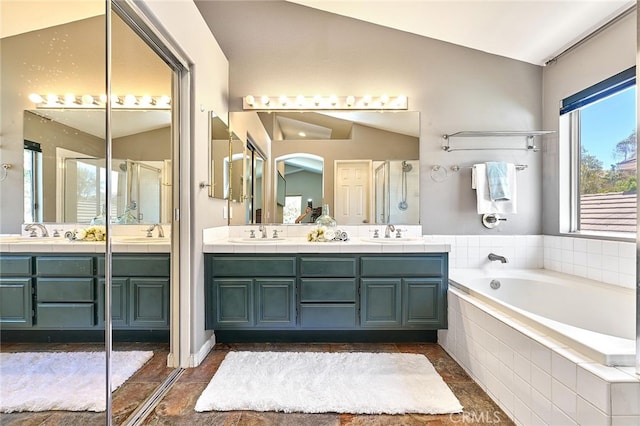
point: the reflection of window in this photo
(32, 182)
(85, 189)
(602, 123)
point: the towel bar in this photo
(455, 168)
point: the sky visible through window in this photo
(607, 122)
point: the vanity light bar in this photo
(129, 101)
(332, 102)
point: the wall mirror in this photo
(363, 164)
(218, 157)
(73, 177)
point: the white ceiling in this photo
(532, 31)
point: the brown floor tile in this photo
(177, 407)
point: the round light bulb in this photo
(366, 99)
(350, 101)
(283, 100)
(103, 98)
(69, 99)
(130, 100)
(300, 100)
(384, 99)
(87, 100)
(250, 100)
(317, 100)
(52, 99)
(146, 100)
(164, 100)
(333, 100)
(265, 100)
(35, 98)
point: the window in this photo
(32, 182)
(602, 126)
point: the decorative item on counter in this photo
(93, 233)
(326, 223)
(341, 236)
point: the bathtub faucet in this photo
(493, 257)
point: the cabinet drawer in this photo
(246, 266)
(327, 267)
(385, 266)
(327, 290)
(67, 266)
(65, 315)
(15, 266)
(137, 266)
(328, 315)
(64, 289)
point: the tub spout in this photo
(492, 257)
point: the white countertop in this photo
(124, 244)
(292, 239)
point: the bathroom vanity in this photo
(55, 293)
(295, 290)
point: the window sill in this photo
(608, 236)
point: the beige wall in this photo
(154, 145)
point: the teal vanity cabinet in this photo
(249, 292)
(405, 291)
(328, 292)
(16, 306)
(324, 295)
(140, 293)
(65, 291)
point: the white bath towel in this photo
(481, 185)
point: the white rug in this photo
(318, 382)
(70, 381)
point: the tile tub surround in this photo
(612, 262)
(535, 379)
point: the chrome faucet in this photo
(388, 230)
(31, 227)
(160, 230)
(492, 257)
(263, 231)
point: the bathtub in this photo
(595, 319)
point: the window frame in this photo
(570, 110)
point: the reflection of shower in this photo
(406, 168)
(123, 167)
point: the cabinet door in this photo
(423, 304)
(15, 302)
(275, 305)
(149, 298)
(119, 297)
(380, 302)
(233, 303)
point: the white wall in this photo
(281, 48)
(612, 51)
(183, 24)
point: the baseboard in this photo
(198, 357)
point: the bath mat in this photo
(70, 381)
(319, 382)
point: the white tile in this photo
(580, 258)
(627, 280)
(587, 414)
(610, 263)
(521, 389)
(564, 370)
(580, 271)
(627, 265)
(522, 367)
(567, 243)
(594, 260)
(541, 406)
(559, 418)
(564, 398)
(593, 389)
(534, 240)
(522, 412)
(594, 274)
(627, 250)
(625, 421)
(541, 381)
(610, 248)
(625, 399)
(580, 245)
(541, 356)
(594, 246)
(567, 256)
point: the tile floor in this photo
(176, 408)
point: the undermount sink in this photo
(391, 240)
(256, 240)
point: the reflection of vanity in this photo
(295, 290)
(60, 294)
